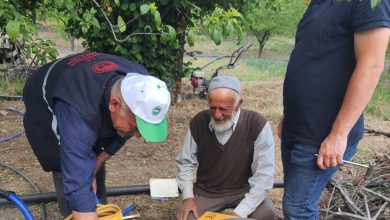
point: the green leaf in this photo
(95, 23)
(191, 37)
(92, 10)
(125, 6)
(230, 27)
(69, 4)
(28, 52)
(163, 2)
(138, 57)
(374, 3)
(133, 7)
(121, 24)
(217, 36)
(117, 2)
(144, 9)
(171, 32)
(13, 29)
(84, 29)
(147, 29)
(164, 37)
(157, 19)
(152, 7)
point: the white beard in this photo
(220, 128)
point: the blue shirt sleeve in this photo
(77, 158)
(364, 17)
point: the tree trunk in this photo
(262, 38)
(180, 55)
(71, 40)
(33, 11)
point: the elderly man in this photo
(80, 110)
(227, 159)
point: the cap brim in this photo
(152, 132)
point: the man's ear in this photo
(114, 104)
(239, 104)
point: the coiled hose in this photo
(12, 197)
(105, 212)
(43, 208)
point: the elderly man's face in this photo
(123, 120)
(222, 108)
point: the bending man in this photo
(80, 110)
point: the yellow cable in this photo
(105, 212)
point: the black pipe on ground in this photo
(51, 196)
(10, 98)
(114, 191)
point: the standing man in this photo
(80, 110)
(332, 73)
(227, 159)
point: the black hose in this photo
(114, 191)
(17, 134)
(11, 98)
(43, 207)
(51, 196)
(15, 110)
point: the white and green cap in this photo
(149, 99)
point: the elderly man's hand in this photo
(187, 206)
(234, 214)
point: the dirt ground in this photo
(139, 161)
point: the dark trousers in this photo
(265, 211)
(59, 187)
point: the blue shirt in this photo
(321, 65)
(78, 156)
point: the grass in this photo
(12, 86)
(279, 46)
(265, 68)
(380, 102)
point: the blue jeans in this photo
(303, 180)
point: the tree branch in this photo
(376, 194)
(375, 132)
(380, 210)
(348, 200)
(346, 214)
(117, 26)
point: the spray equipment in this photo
(198, 78)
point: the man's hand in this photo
(94, 185)
(234, 214)
(187, 206)
(332, 151)
(84, 215)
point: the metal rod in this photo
(350, 162)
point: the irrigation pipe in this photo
(17, 134)
(15, 110)
(114, 191)
(12, 136)
(43, 207)
(11, 98)
(21, 206)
